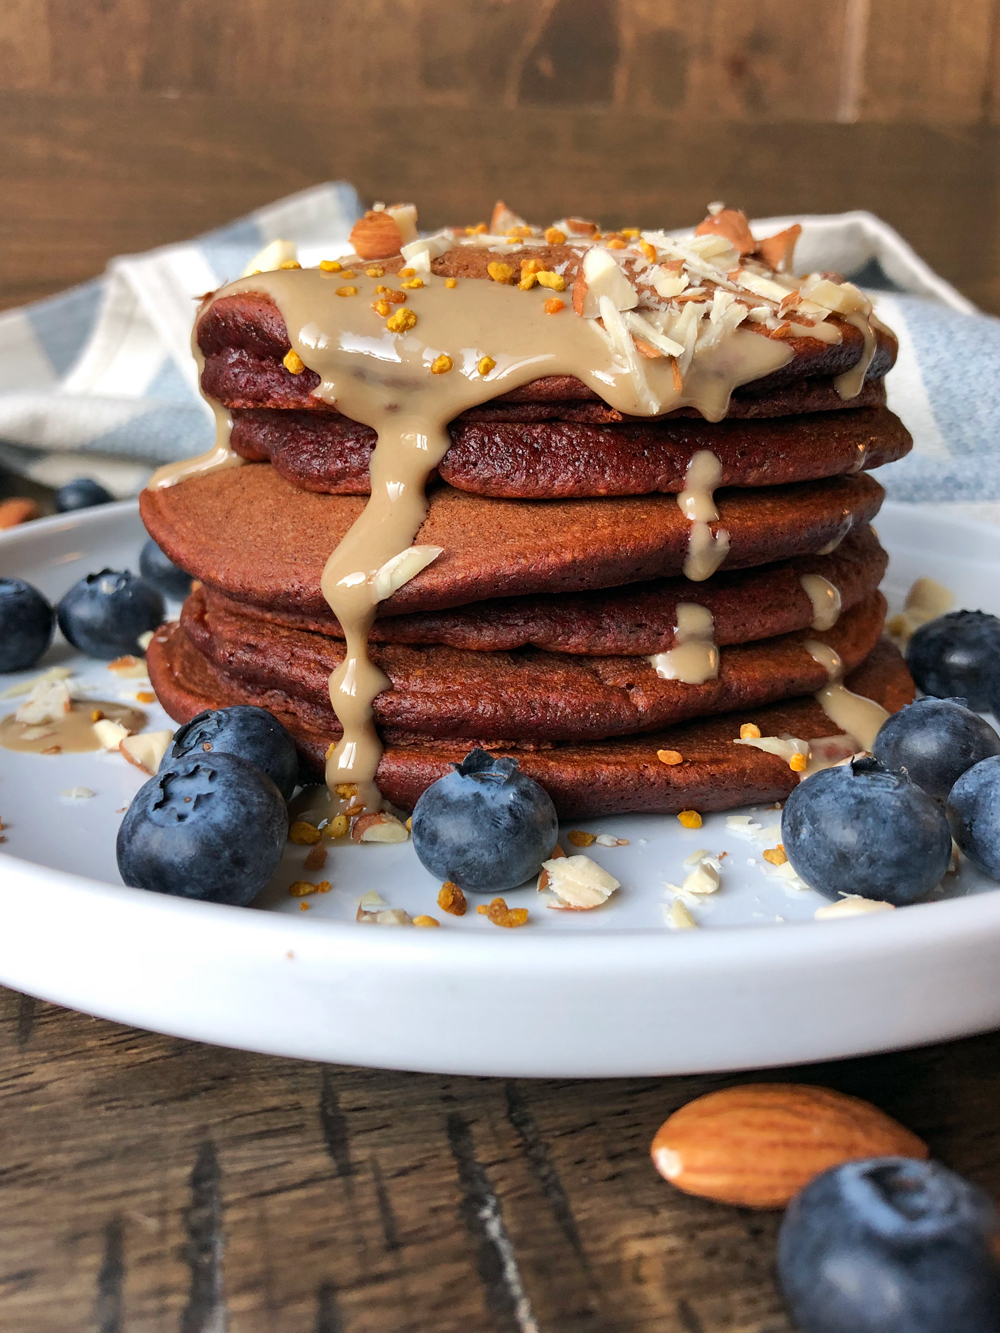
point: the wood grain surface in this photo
(152, 1185)
(129, 123)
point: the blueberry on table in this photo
(81, 493)
(104, 614)
(935, 740)
(211, 828)
(958, 655)
(485, 826)
(891, 1245)
(252, 733)
(159, 570)
(860, 829)
(26, 624)
(974, 815)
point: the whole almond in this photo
(376, 236)
(14, 512)
(759, 1144)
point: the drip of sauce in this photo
(850, 383)
(384, 380)
(842, 532)
(706, 550)
(694, 658)
(853, 713)
(72, 733)
(822, 331)
(213, 460)
(825, 598)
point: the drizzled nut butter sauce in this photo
(461, 343)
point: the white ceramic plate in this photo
(609, 992)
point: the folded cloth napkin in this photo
(100, 381)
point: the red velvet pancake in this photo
(604, 777)
(528, 696)
(558, 459)
(636, 619)
(251, 534)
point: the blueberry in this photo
(252, 733)
(104, 614)
(81, 493)
(159, 570)
(974, 815)
(935, 740)
(211, 827)
(486, 826)
(26, 622)
(859, 829)
(958, 654)
(891, 1245)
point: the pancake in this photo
(559, 459)
(257, 538)
(639, 618)
(242, 382)
(617, 776)
(244, 339)
(526, 696)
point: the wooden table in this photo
(153, 1185)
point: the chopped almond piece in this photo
(316, 858)
(146, 750)
(732, 224)
(110, 734)
(380, 827)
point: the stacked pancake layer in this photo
(552, 625)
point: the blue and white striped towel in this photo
(100, 380)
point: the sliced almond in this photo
(401, 568)
(273, 255)
(851, 904)
(504, 219)
(602, 277)
(147, 749)
(110, 734)
(578, 883)
(405, 218)
(759, 1144)
(48, 702)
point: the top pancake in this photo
(251, 534)
(244, 339)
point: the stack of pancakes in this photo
(534, 632)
